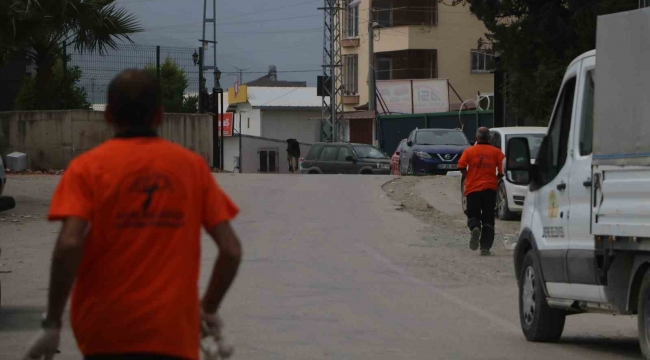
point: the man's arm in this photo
(500, 165)
(65, 261)
(462, 163)
(225, 268)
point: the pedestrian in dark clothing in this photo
(482, 165)
(293, 154)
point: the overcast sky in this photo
(255, 33)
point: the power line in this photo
(234, 23)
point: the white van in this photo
(584, 244)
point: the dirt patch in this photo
(444, 250)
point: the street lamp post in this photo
(217, 92)
(198, 60)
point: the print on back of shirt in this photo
(151, 193)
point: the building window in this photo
(482, 61)
(268, 160)
(353, 22)
(384, 68)
(384, 13)
(350, 74)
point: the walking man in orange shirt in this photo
(482, 165)
(132, 211)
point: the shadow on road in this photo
(20, 318)
(622, 346)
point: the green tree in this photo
(536, 41)
(173, 83)
(42, 28)
(60, 93)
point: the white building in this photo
(266, 117)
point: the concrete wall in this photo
(455, 35)
(302, 125)
(52, 138)
(250, 158)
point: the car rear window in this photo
(314, 152)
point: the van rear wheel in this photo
(643, 318)
(539, 322)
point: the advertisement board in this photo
(225, 120)
(396, 95)
(414, 96)
(430, 96)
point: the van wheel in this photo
(643, 317)
(503, 211)
(539, 322)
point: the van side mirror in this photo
(518, 166)
(7, 203)
(409, 143)
(350, 158)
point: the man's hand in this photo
(500, 176)
(45, 345)
(211, 330)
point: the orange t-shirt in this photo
(483, 161)
(137, 283)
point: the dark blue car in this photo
(432, 151)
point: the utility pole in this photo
(241, 73)
(372, 85)
(332, 107)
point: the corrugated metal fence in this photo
(391, 129)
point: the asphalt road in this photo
(335, 267)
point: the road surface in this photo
(335, 267)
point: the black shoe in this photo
(485, 252)
(473, 242)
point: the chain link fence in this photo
(173, 66)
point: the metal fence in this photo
(391, 129)
(97, 70)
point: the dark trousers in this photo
(130, 357)
(480, 214)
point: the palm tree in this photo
(43, 27)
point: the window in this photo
(482, 61)
(330, 153)
(350, 74)
(383, 68)
(353, 22)
(384, 13)
(344, 152)
(557, 142)
(314, 152)
(534, 142)
(587, 122)
(268, 160)
(440, 137)
(369, 152)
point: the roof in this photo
(521, 130)
(267, 81)
(583, 56)
(284, 97)
(353, 115)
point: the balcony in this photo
(393, 13)
(407, 64)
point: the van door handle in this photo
(561, 186)
(587, 183)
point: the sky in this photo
(250, 33)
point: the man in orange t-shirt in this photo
(482, 165)
(132, 211)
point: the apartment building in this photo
(414, 39)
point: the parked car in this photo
(345, 158)
(3, 177)
(432, 151)
(6, 203)
(510, 197)
(394, 160)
